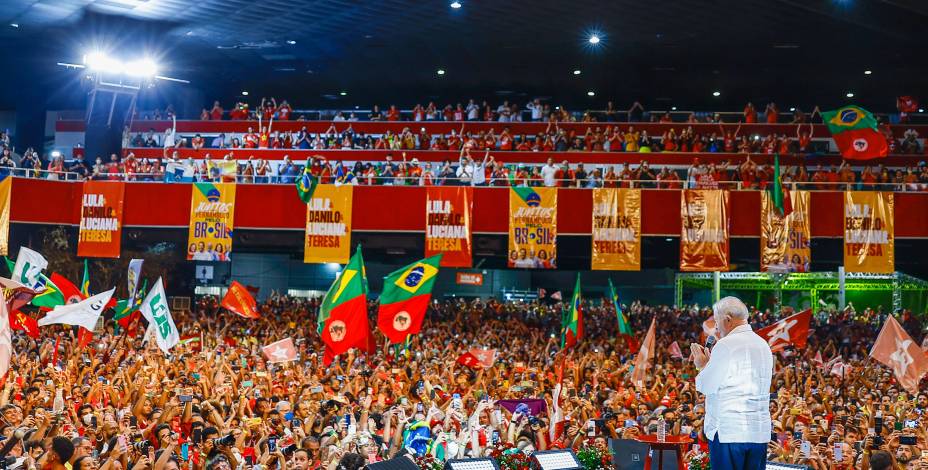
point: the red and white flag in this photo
(819, 362)
(895, 349)
(643, 360)
(469, 360)
(675, 351)
(792, 330)
(280, 351)
(556, 295)
(485, 357)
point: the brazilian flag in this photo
(306, 185)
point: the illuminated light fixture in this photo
(673, 108)
(291, 42)
(100, 62)
(441, 71)
(141, 68)
(716, 93)
(343, 93)
(594, 39)
(244, 93)
(56, 154)
(455, 5)
(868, 72)
(15, 25)
(921, 110)
(792, 109)
(850, 94)
(591, 93)
(557, 459)
(577, 72)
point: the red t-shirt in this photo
(216, 114)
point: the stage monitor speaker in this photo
(629, 454)
(557, 460)
(472, 464)
(785, 466)
(396, 463)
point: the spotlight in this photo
(577, 72)
(673, 108)
(56, 154)
(244, 93)
(591, 93)
(850, 94)
(868, 72)
(343, 93)
(716, 93)
(792, 109)
(441, 71)
(594, 39)
(921, 110)
(100, 62)
(141, 68)
(455, 5)
(291, 42)
(15, 25)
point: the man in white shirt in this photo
(473, 111)
(735, 377)
(547, 173)
(536, 108)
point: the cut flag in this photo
(84, 313)
(624, 327)
(343, 313)
(854, 131)
(790, 331)
(643, 359)
(895, 349)
(280, 351)
(28, 268)
(239, 301)
(572, 327)
(405, 299)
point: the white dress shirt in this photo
(736, 382)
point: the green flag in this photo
(624, 327)
(85, 282)
(780, 200)
(306, 185)
(351, 283)
(573, 322)
(405, 299)
(343, 313)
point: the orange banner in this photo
(448, 216)
(868, 232)
(704, 230)
(616, 229)
(533, 228)
(101, 219)
(784, 239)
(6, 186)
(328, 225)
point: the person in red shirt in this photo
(626, 176)
(610, 179)
(868, 179)
(197, 142)
(505, 140)
(393, 114)
(250, 139)
(730, 138)
(748, 172)
(267, 109)
(113, 168)
(820, 178)
(284, 111)
(772, 113)
(418, 113)
(524, 144)
(750, 115)
(264, 138)
(564, 176)
(215, 114)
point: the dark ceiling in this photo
(663, 53)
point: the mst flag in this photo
(29, 267)
(895, 349)
(405, 298)
(792, 330)
(854, 131)
(645, 353)
(155, 309)
(573, 321)
(239, 301)
(624, 327)
(84, 313)
(280, 351)
(343, 313)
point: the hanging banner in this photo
(533, 228)
(328, 225)
(448, 216)
(784, 239)
(101, 219)
(616, 229)
(705, 230)
(868, 232)
(6, 186)
(212, 213)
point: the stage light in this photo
(850, 94)
(15, 25)
(868, 72)
(591, 93)
(343, 93)
(716, 93)
(594, 39)
(577, 72)
(441, 71)
(291, 42)
(455, 5)
(673, 108)
(921, 110)
(333, 266)
(472, 464)
(100, 62)
(792, 109)
(141, 68)
(557, 459)
(244, 93)
(56, 154)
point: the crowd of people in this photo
(215, 403)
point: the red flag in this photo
(895, 349)
(792, 330)
(239, 301)
(84, 337)
(818, 360)
(486, 357)
(194, 342)
(280, 351)
(21, 321)
(469, 360)
(645, 353)
(347, 327)
(861, 144)
(675, 351)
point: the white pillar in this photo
(716, 286)
(841, 297)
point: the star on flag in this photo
(280, 351)
(895, 349)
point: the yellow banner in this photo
(616, 229)
(6, 187)
(533, 228)
(868, 232)
(784, 240)
(212, 213)
(328, 225)
(704, 230)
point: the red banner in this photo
(239, 301)
(101, 219)
(448, 216)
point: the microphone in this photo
(710, 341)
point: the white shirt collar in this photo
(740, 329)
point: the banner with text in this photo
(448, 215)
(784, 239)
(616, 229)
(6, 186)
(101, 219)
(868, 232)
(328, 225)
(212, 217)
(533, 228)
(704, 230)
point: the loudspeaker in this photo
(396, 463)
(629, 454)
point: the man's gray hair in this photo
(730, 306)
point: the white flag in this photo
(29, 264)
(6, 337)
(132, 277)
(84, 313)
(155, 310)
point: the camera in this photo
(142, 446)
(225, 441)
(909, 440)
